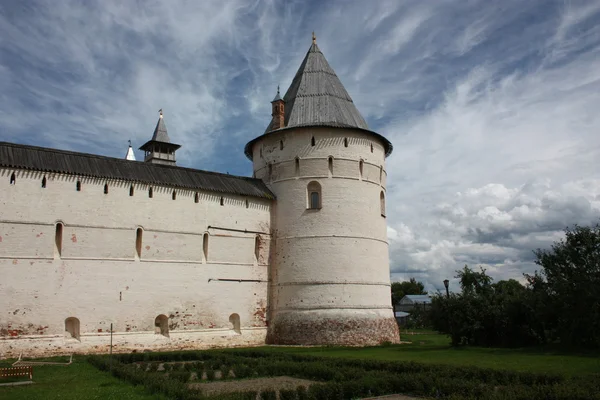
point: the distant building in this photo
(413, 301)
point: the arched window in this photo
(257, 248)
(72, 328)
(161, 325)
(360, 168)
(196, 197)
(106, 188)
(281, 145)
(138, 242)
(13, 178)
(312, 141)
(222, 201)
(314, 195)
(235, 323)
(174, 195)
(205, 246)
(58, 234)
(78, 186)
(330, 165)
(297, 168)
(346, 142)
(44, 181)
(382, 203)
(150, 192)
(131, 190)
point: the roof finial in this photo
(129, 141)
(314, 38)
(160, 113)
(278, 90)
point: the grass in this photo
(82, 381)
(434, 348)
(79, 380)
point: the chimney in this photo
(278, 112)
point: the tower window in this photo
(312, 141)
(196, 197)
(314, 195)
(205, 246)
(150, 192)
(360, 168)
(72, 328)
(222, 201)
(371, 147)
(297, 168)
(58, 233)
(281, 145)
(106, 188)
(78, 186)
(161, 325)
(174, 195)
(138, 242)
(382, 203)
(330, 165)
(247, 203)
(44, 182)
(345, 142)
(13, 179)
(235, 322)
(131, 190)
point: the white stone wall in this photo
(99, 279)
(331, 266)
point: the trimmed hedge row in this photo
(345, 379)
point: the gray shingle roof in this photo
(160, 132)
(317, 97)
(20, 156)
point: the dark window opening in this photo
(360, 168)
(312, 141)
(196, 197)
(44, 182)
(138, 242)
(78, 186)
(174, 195)
(222, 201)
(247, 203)
(314, 195)
(257, 248)
(131, 190)
(205, 246)
(58, 234)
(382, 203)
(297, 166)
(345, 142)
(72, 328)
(106, 188)
(330, 165)
(13, 179)
(281, 145)
(371, 147)
(161, 325)
(150, 192)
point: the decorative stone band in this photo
(335, 307)
(311, 283)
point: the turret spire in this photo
(314, 38)
(159, 149)
(130, 155)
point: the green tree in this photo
(567, 288)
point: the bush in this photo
(268, 394)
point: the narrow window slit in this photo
(13, 179)
(44, 182)
(106, 188)
(131, 190)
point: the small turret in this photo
(159, 149)
(130, 155)
(278, 113)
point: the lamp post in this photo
(446, 283)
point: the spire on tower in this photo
(159, 149)
(277, 96)
(130, 155)
(314, 38)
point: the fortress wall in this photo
(99, 278)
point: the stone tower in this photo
(159, 149)
(329, 277)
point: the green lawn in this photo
(82, 381)
(77, 381)
(434, 348)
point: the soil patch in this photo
(258, 384)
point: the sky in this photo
(493, 107)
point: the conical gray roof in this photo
(317, 97)
(160, 132)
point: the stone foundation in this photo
(333, 328)
(127, 342)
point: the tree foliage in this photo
(559, 303)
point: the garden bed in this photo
(258, 385)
